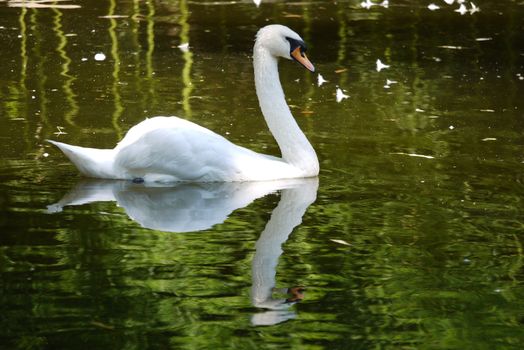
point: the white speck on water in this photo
(33, 97)
(484, 39)
(488, 110)
(462, 9)
(60, 131)
(449, 2)
(83, 59)
(451, 127)
(257, 2)
(340, 241)
(45, 155)
(321, 80)
(100, 57)
(389, 83)
(419, 110)
(451, 47)
(184, 47)
(474, 8)
(414, 155)
(367, 4)
(466, 261)
(381, 66)
(341, 95)
(489, 139)
(433, 7)
(498, 290)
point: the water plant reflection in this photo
(188, 207)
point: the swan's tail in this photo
(91, 162)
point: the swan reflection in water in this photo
(188, 207)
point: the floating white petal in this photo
(60, 131)
(184, 47)
(389, 82)
(474, 8)
(433, 7)
(462, 9)
(321, 80)
(340, 241)
(341, 95)
(367, 4)
(381, 65)
(414, 155)
(100, 57)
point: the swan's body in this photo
(166, 149)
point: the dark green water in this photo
(411, 238)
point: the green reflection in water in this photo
(188, 59)
(68, 93)
(39, 95)
(150, 35)
(115, 54)
(137, 52)
(23, 52)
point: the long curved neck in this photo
(296, 149)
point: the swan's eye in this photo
(295, 44)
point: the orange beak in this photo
(301, 58)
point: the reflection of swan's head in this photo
(280, 41)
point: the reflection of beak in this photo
(297, 293)
(301, 58)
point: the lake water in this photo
(411, 237)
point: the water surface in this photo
(411, 237)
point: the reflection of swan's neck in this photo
(285, 217)
(296, 149)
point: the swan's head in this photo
(281, 41)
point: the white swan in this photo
(167, 149)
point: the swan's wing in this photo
(182, 154)
(150, 124)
